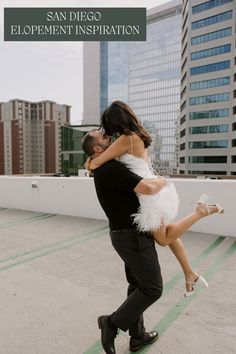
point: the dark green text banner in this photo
(75, 24)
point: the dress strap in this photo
(131, 144)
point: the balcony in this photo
(60, 271)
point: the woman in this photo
(157, 211)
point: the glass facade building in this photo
(118, 71)
(146, 75)
(180, 80)
(72, 156)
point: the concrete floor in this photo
(58, 273)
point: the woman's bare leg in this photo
(165, 235)
(177, 247)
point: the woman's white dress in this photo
(157, 209)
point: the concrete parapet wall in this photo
(73, 196)
(76, 196)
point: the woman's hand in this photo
(93, 165)
(90, 165)
(87, 164)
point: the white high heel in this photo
(203, 200)
(200, 281)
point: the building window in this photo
(183, 119)
(233, 159)
(183, 78)
(209, 5)
(185, 21)
(207, 172)
(234, 93)
(203, 69)
(182, 159)
(210, 129)
(182, 133)
(184, 50)
(183, 92)
(184, 63)
(183, 106)
(210, 144)
(233, 142)
(234, 110)
(221, 97)
(226, 48)
(185, 7)
(207, 159)
(199, 85)
(211, 36)
(234, 77)
(234, 126)
(184, 36)
(182, 146)
(212, 20)
(217, 113)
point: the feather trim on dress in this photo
(155, 210)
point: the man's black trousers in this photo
(143, 275)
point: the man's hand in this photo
(150, 186)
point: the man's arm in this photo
(150, 186)
(120, 177)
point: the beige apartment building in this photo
(208, 88)
(30, 136)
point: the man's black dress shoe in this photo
(136, 344)
(108, 335)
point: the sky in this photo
(36, 71)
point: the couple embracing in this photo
(140, 207)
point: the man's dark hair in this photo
(88, 143)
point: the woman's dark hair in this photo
(119, 118)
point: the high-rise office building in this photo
(30, 136)
(208, 88)
(146, 75)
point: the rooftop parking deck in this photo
(59, 273)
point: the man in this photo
(116, 189)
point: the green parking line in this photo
(46, 253)
(178, 309)
(52, 248)
(96, 348)
(27, 220)
(175, 279)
